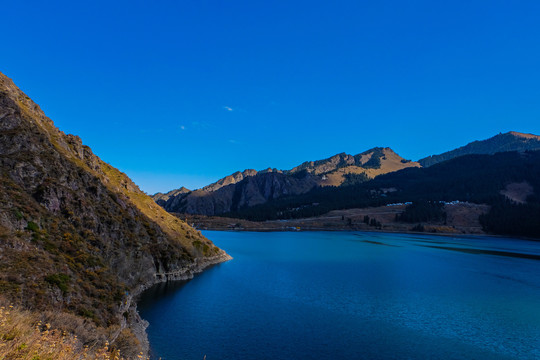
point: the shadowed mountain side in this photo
(510, 141)
(251, 191)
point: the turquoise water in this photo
(352, 295)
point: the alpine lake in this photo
(352, 295)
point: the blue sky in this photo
(185, 92)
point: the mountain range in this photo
(510, 141)
(241, 191)
(251, 187)
(78, 236)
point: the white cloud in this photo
(228, 108)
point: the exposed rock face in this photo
(375, 158)
(324, 166)
(510, 141)
(250, 188)
(161, 198)
(75, 233)
(229, 180)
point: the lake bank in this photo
(134, 319)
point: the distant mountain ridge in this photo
(231, 179)
(251, 187)
(510, 141)
(340, 161)
(506, 183)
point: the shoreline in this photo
(442, 234)
(134, 321)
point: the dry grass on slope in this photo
(22, 337)
(171, 225)
(390, 162)
(518, 192)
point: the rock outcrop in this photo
(161, 198)
(229, 180)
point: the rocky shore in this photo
(133, 319)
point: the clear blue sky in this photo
(185, 92)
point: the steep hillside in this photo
(511, 141)
(77, 235)
(250, 188)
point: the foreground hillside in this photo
(250, 187)
(77, 235)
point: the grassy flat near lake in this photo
(21, 337)
(462, 218)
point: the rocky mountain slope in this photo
(77, 235)
(161, 198)
(342, 169)
(510, 141)
(250, 188)
(232, 179)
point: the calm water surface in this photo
(345, 295)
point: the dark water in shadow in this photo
(331, 295)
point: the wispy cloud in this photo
(228, 108)
(151, 131)
(232, 141)
(201, 125)
(182, 127)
